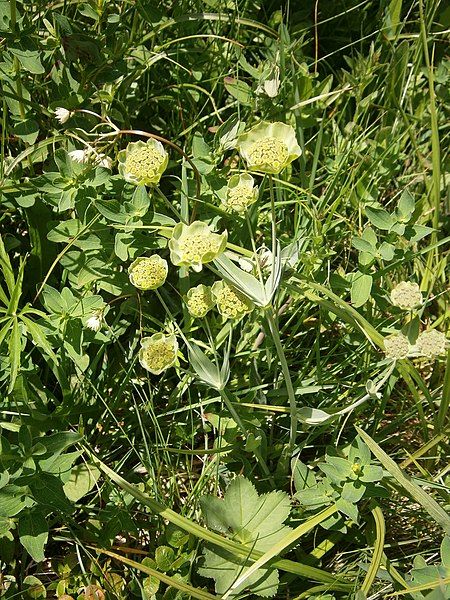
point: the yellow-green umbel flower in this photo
(143, 163)
(199, 301)
(269, 147)
(230, 302)
(406, 295)
(241, 193)
(148, 272)
(158, 352)
(396, 346)
(195, 244)
(431, 343)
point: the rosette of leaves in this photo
(346, 480)
(253, 520)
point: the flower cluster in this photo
(396, 346)
(148, 272)
(143, 163)
(241, 193)
(199, 301)
(431, 343)
(269, 147)
(195, 245)
(406, 295)
(158, 352)
(231, 303)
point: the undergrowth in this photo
(224, 299)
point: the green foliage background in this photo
(99, 456)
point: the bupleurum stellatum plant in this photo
(224, 296)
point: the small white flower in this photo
(95, 321)
(245, 264)
(104, 161)
(62, 114)
(79, 156)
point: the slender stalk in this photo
(244, 431)
(274, 220)
(287, 377)
(252, 240)
(168, 204)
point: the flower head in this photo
(396, 346)
(62, 115)
(406, 295)
(199, 301)
(158, 352)
(148, 272)
(95, 321)
(143, 163)
(195, 244)
(231, 303)
(269, 147)
(431, 343)
(241, 192)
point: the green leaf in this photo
(239, 90)
(39, 337)
(27, 130)
(48, 491)
(361, 288)
(303, 477)
(82, 479)
(406, 206)
(256, 521)
(164, 558)
(29, 59)
(425, 500)
(15, 350)
(33, 533)
(387, 251)
(13, 499)
(379, 218)
(363, 245)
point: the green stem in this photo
(168, 204)
(272, 209)
(287, 377)
(244, 432)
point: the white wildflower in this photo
(62, 115)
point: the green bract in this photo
(158, 352)
(148, 272)
(195, 244)
(269, 147)
(241, 193)
(199, 300)
(231, 303)
(143, 163)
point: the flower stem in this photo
(274, 221)
(287, 377)
(244, 432)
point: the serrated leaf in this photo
(256, 521)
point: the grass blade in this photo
(425, 500)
